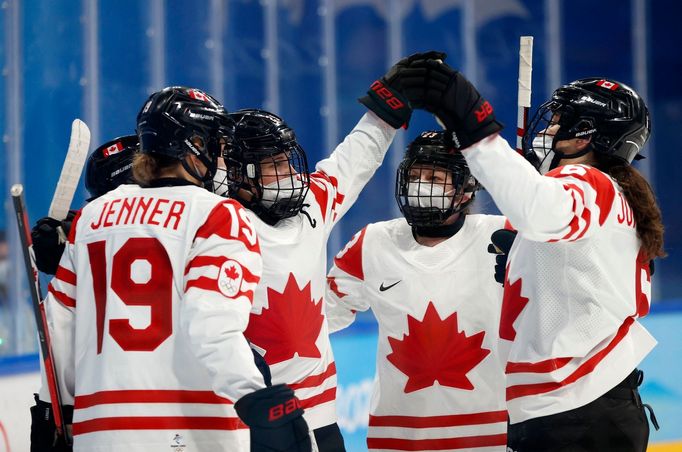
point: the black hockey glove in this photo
(46, 244)
(275, 418)
(502, 240)
(43, 431)
(455, 102)
(386, 97)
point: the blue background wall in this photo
(309, 61)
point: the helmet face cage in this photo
(425, 202)
(266, 161)
(178, 121)
(610, 113)
(110, 165)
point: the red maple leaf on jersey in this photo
(289, 325)
(512, 305)
(434, 350)
(231, 272)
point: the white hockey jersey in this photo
(147, 312)
(575, 285)
(288, 317)
(439, 381)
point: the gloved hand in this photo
(386, 97)
(502, 241)
(275, 419)
(47, 245)
(43, 430)
(455, 102)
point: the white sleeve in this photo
(346, 286)
(569, 203)
(222, 271)
(339, 179)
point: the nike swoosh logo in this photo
(383, 288)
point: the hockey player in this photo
(439, 373)
(578, 274)
(107, 167)
(151, 297)
(294, 212)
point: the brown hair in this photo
(641, 198)
(148, 167)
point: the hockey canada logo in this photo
(230, 278)
(178, 443)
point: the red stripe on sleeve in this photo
(331, 281)
(66, 275)
(315, 380)
(72, 232)
(157, 423)
(61, 297)
(465, 442)
(149, 396)
(452, 420)
(600, 183)
(326, 396)
(549, 365)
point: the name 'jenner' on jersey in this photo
(140, 210)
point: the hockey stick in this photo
(71, 173)
(17, 191)
(525, 76)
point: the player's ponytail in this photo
(641, 198)
(148, 167)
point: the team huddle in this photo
(191, 305)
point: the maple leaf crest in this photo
(512, 305)
(289, 325)
(434, 350)
(231, 272)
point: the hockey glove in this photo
(386, 98)
(43, 431)
(456, 103)
(275, 418)
(502, 240)
(46, 243)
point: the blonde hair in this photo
(148, 167)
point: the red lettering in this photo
(384, 93)
(111, 211)
(280, 410)
(144, 207)
(128, 205)
(395, 103)
(176, 214)
(485, 110)
(156, 211)
(101, 215)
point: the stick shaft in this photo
(524, 90)
(38, 307)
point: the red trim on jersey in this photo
(65, 275)
(508, 226)
(324, 397)
(319, 186)
(350, 258)
(211, 284)
(219, 222)
(61, 297)
(585, 368)
(600, 183)
(464, 442)
(453, 420)
(218, 261)
(158, 423)
(315, 380)
(149, 396)
(548, 365)
(642, 264)
(331, 281)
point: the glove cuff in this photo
(388, 104)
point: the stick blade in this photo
(71, 171)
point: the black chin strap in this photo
(443, 230)
(206, 180)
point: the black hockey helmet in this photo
(610, 112)
(426, 203)
(263, 140)
(174, 119)
(109, 165)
